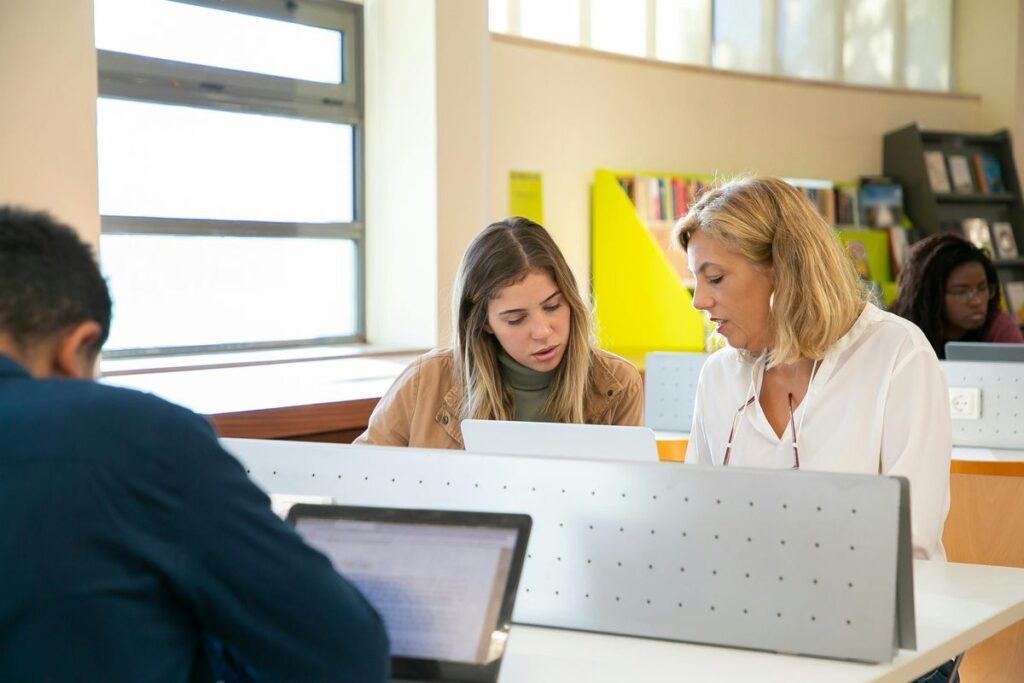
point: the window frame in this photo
(160, 81)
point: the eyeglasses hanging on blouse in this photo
(792, 420)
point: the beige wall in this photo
(463, 138)
(1018, 121)
(987, 67)
(567, 112)
(48, 110)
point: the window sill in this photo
(272, 395)
(207, 361)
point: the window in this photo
(230, 172)
(683, 31)
(556, 21)
(895, 43)
(741, 35)
(869, 47)
(808, 39)
(618, 26)
(929, 30)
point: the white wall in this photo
(427, 142)
(48, 110)
(401, 181)
(567, 112)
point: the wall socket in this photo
(965, 403)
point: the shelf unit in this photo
(642, 286)
(641, 302)
(904, 162)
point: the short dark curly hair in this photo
(922, 292)
(49, 280)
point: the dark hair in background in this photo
(49, 280)
(922, 291)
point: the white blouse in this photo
(877, 404)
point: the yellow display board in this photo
(869, 250)
(641, 303)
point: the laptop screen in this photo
(443, 582)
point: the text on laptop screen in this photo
(438, 588)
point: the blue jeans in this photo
(940, 675)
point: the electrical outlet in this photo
(965, 403)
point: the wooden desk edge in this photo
(295, 421)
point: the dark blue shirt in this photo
(130, 542)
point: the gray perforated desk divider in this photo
(796, 562)
(670, 389)
(1002, 403)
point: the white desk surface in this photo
(664, 435)
(958, 605)
(987, 454)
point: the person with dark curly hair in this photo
(949, 288)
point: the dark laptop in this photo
(444, 582)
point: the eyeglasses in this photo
(965, 294)
(735, 422)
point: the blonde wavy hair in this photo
(503, 254)
(818, 294)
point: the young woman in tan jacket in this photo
(523, 350)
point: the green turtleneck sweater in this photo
(530, 388)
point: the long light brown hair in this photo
(503, 254)
(818, 295)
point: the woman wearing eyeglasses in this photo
(814, 377)
(950, 290)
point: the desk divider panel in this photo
(1002, 403)
(670, 389)
(796, 562)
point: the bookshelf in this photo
(642, 286)
(914, 158)
(642, 302)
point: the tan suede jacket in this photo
(421, 407)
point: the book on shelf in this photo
(881, 203)
(836, 202)
(1015, 299)
(935, 164)
(960, 174)
(659, 201)
(989, 173)
(899, 247)
(661, 198)
(859, 255)
(1005, 243)
(977, 233)
(869, 250)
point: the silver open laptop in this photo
(588, 442)
(985, 352)
(444, 582)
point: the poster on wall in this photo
(525, 197)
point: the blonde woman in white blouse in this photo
(813, 377)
